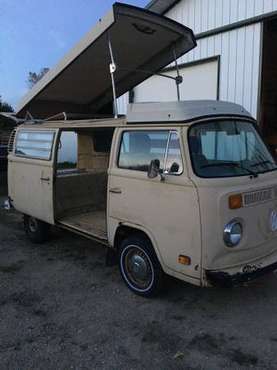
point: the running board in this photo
(96, 238)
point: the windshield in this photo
(227, 149)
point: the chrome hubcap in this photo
(138, 267)
(33, 224)
(138, 270)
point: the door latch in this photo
(45, 179)
(115, 190)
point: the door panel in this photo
(167, 209)
(30, 180)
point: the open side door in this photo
(31, 172)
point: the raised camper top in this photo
(183, 112)
(126, 47)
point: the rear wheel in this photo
(37, 231)
(139, 266)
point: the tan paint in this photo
(146, 202)
(184, 215)
(30, 184)
(258, 239)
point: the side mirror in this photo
(154, 169)
(174, 168)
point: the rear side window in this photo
(139, 148)
(34, 144)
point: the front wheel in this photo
(139, 266)
(37, 231)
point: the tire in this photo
(140, 267)
(36, 230)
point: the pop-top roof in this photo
(161, 6)
(81, 83)
(183, 111)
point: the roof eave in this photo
(161, 6)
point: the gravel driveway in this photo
(62, 308)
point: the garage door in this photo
(200, 81)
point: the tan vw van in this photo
(187, 189)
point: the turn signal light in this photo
(235, 201)
(184, 260)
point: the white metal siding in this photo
(204, 15)
(239, 49)
(122, 103)
(199, 82)
(239, 52)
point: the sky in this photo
(36, 34)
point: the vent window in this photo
(11, 141)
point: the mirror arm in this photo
(162, 175)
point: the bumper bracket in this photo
(223, 279)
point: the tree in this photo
(34, 77)
(5, 123)
(5, 107)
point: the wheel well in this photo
(124, 232)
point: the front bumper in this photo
(224, 279)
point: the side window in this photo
(67, 152)
(139, 148)
(34, 144)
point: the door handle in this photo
(45, 179)
(115, 190)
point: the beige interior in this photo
(81, 194)
(88, 158)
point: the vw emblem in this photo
(273, 220)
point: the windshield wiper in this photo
(262, 163)
(231, 164)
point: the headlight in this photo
(232, 233)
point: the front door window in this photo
(139, 148)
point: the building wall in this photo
(122, 103)
(239, 49)
(157, 89)
(239, 52)
(205, 15)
